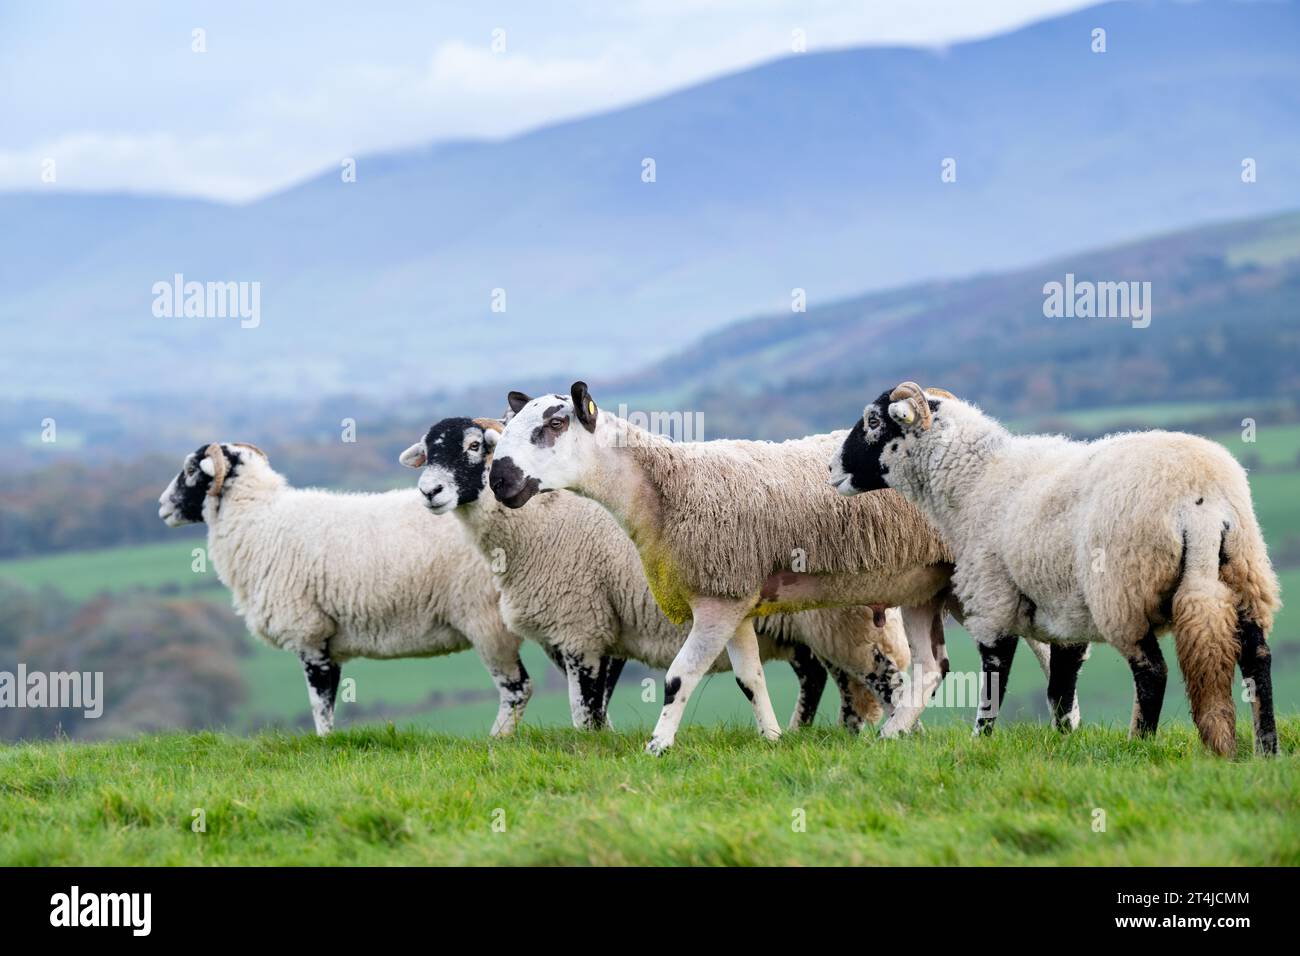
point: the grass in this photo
(84, 574)
(723, 796)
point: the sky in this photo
(116, 95)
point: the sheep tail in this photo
(1205, 610)
(1247, 571)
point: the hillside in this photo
(1223, 331)
(818, 171)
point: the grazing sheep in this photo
(727, 530)
(593, 604)
(336, 576)
(1113, 540)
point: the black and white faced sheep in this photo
(1113, 540)
(730, 530)
(571, 580)
(337, 576)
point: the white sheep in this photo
(336, 576)
(1109, 541)
(571, 580)
(727, 530)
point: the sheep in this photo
(336, 576)
(1113, 541)
(594, 606)
(730, 530)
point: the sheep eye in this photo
(557, 423)
(473, 446)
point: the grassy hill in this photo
(381, 796)
(1222, 338)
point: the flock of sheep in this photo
(704, 556)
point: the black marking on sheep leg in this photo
(591, 688)
(613, 667)
(671, 687)
(812, 684)
(995, 667)
(1064, 661)
(513, 692)
(886, 681)
(1149, 676)
(850, 719)
(322, 686)
(556, 657)
(744, 689)
(1257, 670)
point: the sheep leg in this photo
(1149, 676)
(556, 657)
(322, 685)
(747, 664)
(613, 667)
(1064, 661)
(858, 706)
(1257, 672)
(812, 683)
(587, 675)
(995, 669)
(924, 628)
(514, 688)
(714, 624)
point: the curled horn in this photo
(218, 457)
(248, 445)
(941, 392)
(490, 424)
(914, 395)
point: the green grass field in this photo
(723, 796)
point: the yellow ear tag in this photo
(591, 408)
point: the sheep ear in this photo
(517, 401)
(414, 457)
(208, 467)
(490, 437)
(584, 406)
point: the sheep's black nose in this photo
(505, 474)
(433, 492)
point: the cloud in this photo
(254, 125)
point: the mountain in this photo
(1222, 328)
(819, 171)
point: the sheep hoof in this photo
(1266, 745)
(656, 747)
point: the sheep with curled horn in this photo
(332, 577)
(593, 608)
(732, 530)
(1115, 541)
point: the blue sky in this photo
(115, 95)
